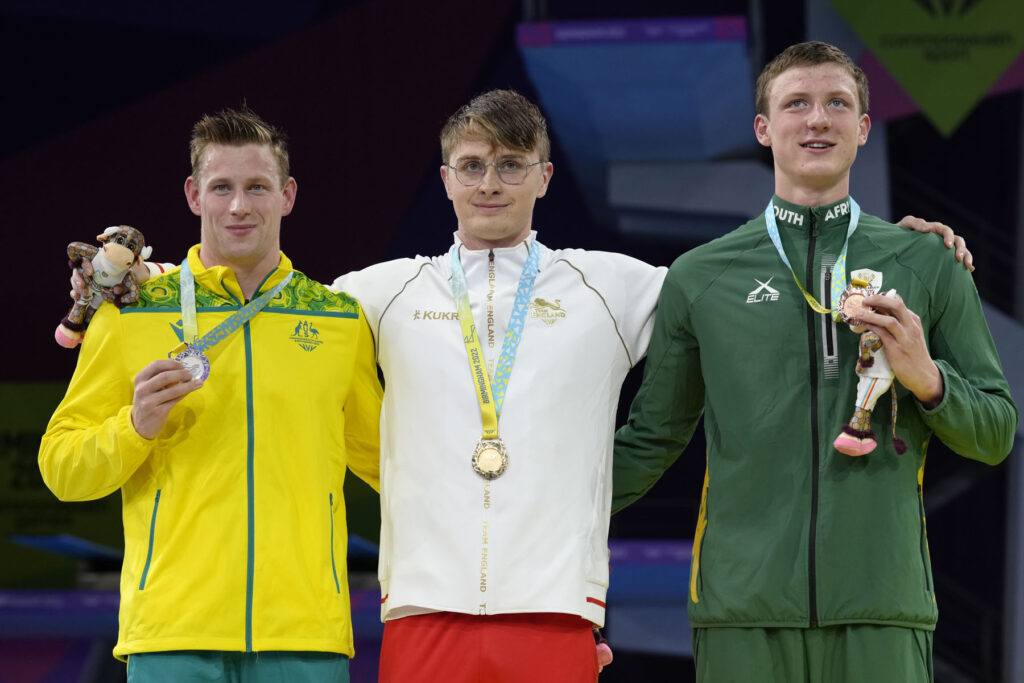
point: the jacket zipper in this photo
(250, 477)
(812, 579)
(250, 562)
(826, 293)
(250, 474)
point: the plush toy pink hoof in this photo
(65, 339)
(851, 445)
(604, 656)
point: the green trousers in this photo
(193, 666)
(855, 653)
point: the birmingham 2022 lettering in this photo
(478, 374)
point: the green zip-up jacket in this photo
(792, 533)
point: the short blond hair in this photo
(235, 128)
(502, 117)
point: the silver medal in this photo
(196, 362)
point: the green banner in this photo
(945, 53)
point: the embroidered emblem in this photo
(763, 293)
(547, 312)
(306, 336)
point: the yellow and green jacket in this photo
(234, 522)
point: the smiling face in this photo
(240, 198)
(493, 214)
(814, 126)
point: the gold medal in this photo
(490, 459)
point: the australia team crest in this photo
(306, 335)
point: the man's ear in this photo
(192, 196)
(549, 170)
(865, 127)
(762, 130)
(444, 179)
(290, 190)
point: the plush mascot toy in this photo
(121, 247)
(875, 375)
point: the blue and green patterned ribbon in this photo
(838, 271)
(490, 394)
(189, 320)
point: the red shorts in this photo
(446, 647)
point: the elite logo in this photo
(547, 312)
(763, 293)
(306, 336)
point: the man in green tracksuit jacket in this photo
(810, 564)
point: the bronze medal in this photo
(851, 303)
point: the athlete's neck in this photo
(477, 243)
(811, 196)
(249, 276)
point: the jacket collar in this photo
(798, 216)
(221, 280)
(519, 251)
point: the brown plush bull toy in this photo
(121, 247)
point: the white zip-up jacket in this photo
(536, 538)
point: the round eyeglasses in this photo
(471, 172)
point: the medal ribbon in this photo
(492, 395)
(838, 271)
(189, 320)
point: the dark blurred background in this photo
(650, 109)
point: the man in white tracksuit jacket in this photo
(501, 578)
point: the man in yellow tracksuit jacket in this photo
(235, 534)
